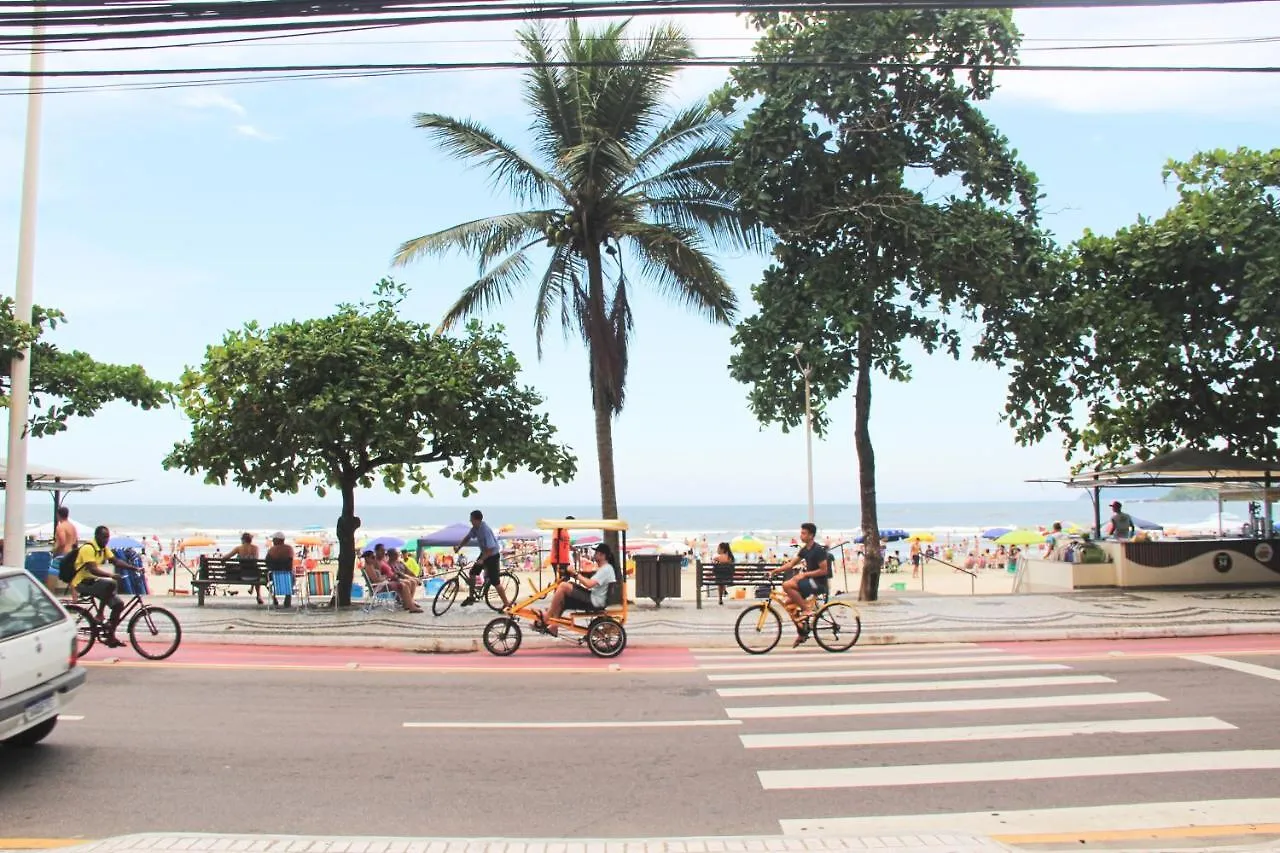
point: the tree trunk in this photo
(348, 524)
(871, 561)
(601, 403)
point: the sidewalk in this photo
(896, 618)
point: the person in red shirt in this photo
(560, 550)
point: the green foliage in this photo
(619, 184)
(1179, 494)
(1167, 330)
(67, 384)
(901, 211)
(339, 401)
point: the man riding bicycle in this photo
(489, 561)
(808, 582)
(93, 580)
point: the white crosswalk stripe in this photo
(800, 689)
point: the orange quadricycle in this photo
(601, 630)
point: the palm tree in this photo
(620, 185)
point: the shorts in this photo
(492, 568)
(809, 587)
(103, 589)
(579, 598)
(915, 559)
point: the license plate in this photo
(43, 708)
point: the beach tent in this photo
(450, 535)
(43, 531)
(517, 533)
(55, 481)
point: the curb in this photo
(724, 639)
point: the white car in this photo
(38, 671)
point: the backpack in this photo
(69, 566)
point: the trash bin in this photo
(657, 576)
(37, 563)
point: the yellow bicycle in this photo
(836, 625)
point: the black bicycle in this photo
(153, 631)
(488, 592)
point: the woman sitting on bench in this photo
(584, 592)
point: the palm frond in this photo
(673, 257)
(716, 218)
(555, 126)
(469, 140)
(487, 238)
(628, 103)
(556, 291)
(696, 124)
(491, 288)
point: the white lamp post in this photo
(15, 495)
(808, 425)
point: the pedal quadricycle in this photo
(601, 629)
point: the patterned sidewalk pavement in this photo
(896, 618)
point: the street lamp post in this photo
(15, 495)
(808, 425)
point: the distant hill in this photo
(1188, 493)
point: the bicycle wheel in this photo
(445, 597)
(154, 633)
(758, 629)
(837, 626)
(510, 585)
(606, 637)
(86, 629)
(502, 636)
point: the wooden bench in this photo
(229, 571)
(744, 574)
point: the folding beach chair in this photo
(380, 594)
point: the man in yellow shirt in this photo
(94, 579)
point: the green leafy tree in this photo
(67, 384)
(1166, 333)
(620, 184)
(338, 401)
(901, 212)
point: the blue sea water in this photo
(175, 519)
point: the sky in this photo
(167, 217)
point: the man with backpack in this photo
(92, 578)
(810, 580)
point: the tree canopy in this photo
(901, 212)
(624, 191)
(68, 383)
(1164, 334)
(339, 402)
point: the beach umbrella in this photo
(309, 539)
(199, 541)
(1021, 537)
(315, 528)
(1146, 525)
(510, 531)
(388, 542)
(996, 532)
(922, 536)
(450, 535)
(887, 534)
(123, 542)
(747, 545)
(590, 539)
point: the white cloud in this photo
(1243, 95)
(208, 99)
(254, 133)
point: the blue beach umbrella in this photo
(887, 534)
(385, 542)
(996, 532)
(123, 542)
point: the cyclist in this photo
(489, 561)
(93, 580)
(809, 581)
(587, 591)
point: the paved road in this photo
(1010, 740)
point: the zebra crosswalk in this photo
(928, 722)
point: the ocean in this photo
(170, 520)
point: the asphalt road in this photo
(281, 747)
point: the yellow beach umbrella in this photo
(746, 545)
(199, 541)
(1021, 537)
(922, 536)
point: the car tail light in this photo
(71, 658)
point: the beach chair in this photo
(381, 595)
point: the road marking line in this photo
(393, 668)
(874, 673)
(955, 705)
(1172, 817)
(70, 718)
(1012, 771)
(600, 724)
(860, 654)
(40, 843)
(1238, 666)
(914, 686)
(833, 662)
(975, 733)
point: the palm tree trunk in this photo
(600, 400)
(871, 561)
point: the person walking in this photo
(65, 538)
